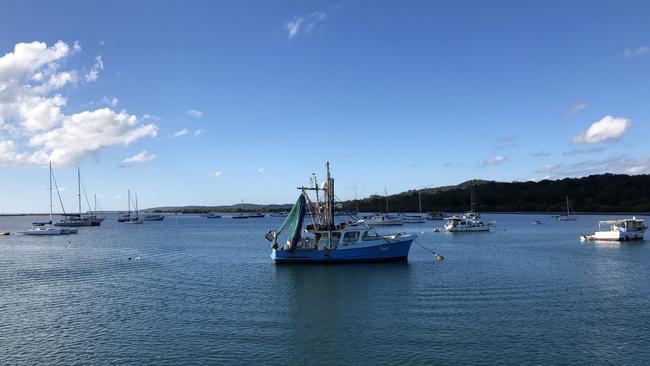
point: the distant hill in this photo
(240, 207)
(595, 193)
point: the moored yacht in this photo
(570, 213)
(384, 220)
(619, 230)
(46, 228)
(469, 222)
(325, 242)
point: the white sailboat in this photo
(75, 220)
(385, 219)
(569, 210)
(48, 229)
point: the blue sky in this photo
(204, 102)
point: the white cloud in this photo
(93, 74)
(198, 132)
(33, 125)
(495, 160)
(194, 113)
(577, 107)
(608, 128)
(180, 133)
(216, 173)
(141, 157)
(113, 102)
(620, 164)
(304, 24)
(261, 171)
(629, 53)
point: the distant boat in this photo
(279, 214)
(240, 216)
(469, 222)
(384, 220)
(437, 215)
(136, 219)
(256, 215)
(48, 229)
(212, 216)
(570, 213)
(76, 220)
(154, 217)
(536, 222)
(4, 233)
(325, 242)
(413, 219)
(619, 230)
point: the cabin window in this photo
(367, 235)
(325, 238)
(351, 237)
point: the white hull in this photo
(389, 222)
(466, 229)
(49, 231)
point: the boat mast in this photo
(330, 199)
(129, 195)
(420, 200)
(136, 206)
(79, 190)
(95, 196)
(50, 192)
(386, 197)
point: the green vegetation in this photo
(595, 193)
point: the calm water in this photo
(201, 291)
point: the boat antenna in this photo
(79, 189)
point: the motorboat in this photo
(384, 220)
(465, 223)
(536, 222)
(413, 219)
(240, 215)
(256, 215)
(619, 230)
(212, 216)
(279, 214)
(323, 241)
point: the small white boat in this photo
(384, 220)
(470, 222)
(279, 214)
(536, 222)
(619, 230)
(212, 216)
(413, 219)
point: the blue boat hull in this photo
(396, 250)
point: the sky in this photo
(218, 102)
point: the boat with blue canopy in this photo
(324, 241)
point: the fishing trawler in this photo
(323, 241)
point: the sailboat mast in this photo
(567, 206)
(420, 200)
(50, 192)
(136, 206)
(386, 198)
(95, 196)
(129, 195)
(330, 198)
(79, 189)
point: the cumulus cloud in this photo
(216, 173)
(141, 157)
(304, 24)
(495, 160)
(93, 74)
(607, 129)
(180, 133)
(634, 52)
(194, 113)
(577, 107)
(34, 127)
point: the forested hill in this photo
(595, 193)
